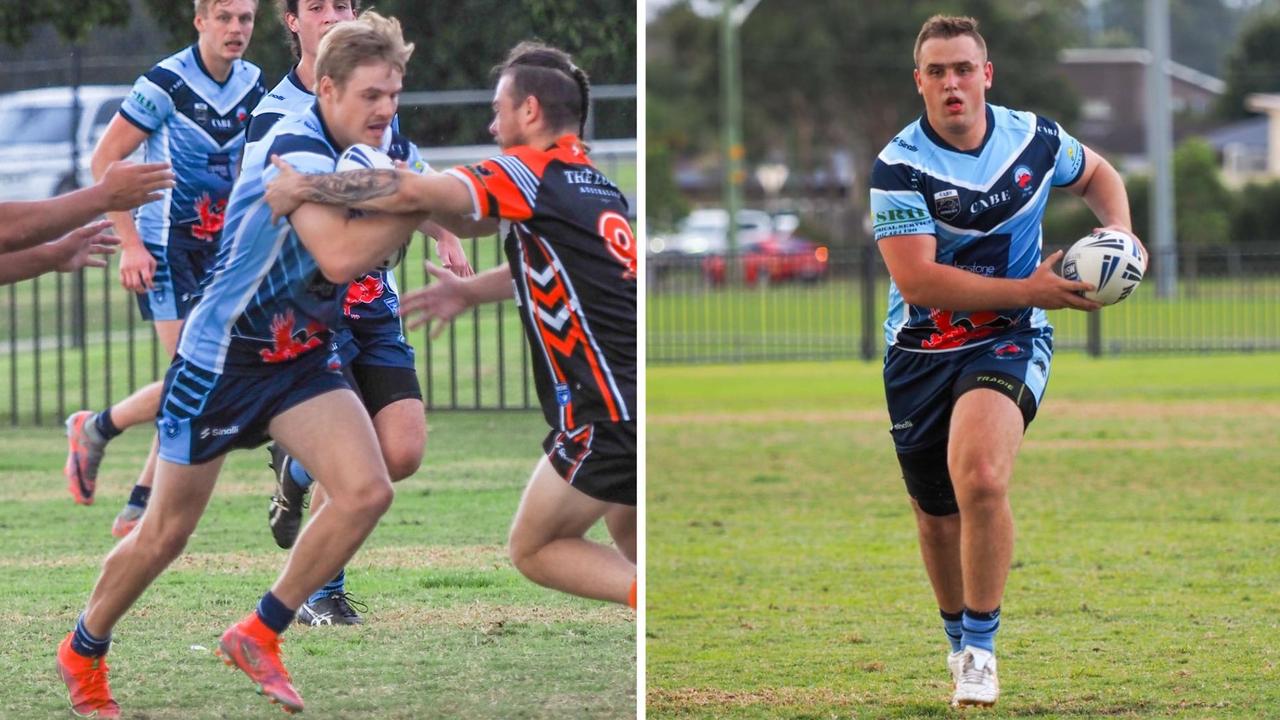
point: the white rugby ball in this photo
(1110, 260)
(367, 157)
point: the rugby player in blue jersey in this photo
(571, 266)
(190, 110)
(372, 341)
(957, 200)
(254, 360)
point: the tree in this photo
(73, 19)
(1253, 65)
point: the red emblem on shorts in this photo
(362, 292)
(211, 215)
(954, 332)
(287, 344)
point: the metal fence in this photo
(1228, 300)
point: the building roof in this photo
(1251, 133)
(1141, 56)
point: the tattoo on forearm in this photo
(348, 188)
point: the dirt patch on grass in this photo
(494, 619)
(1122, 444)
(689, 698)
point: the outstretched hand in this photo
(128, 185)
(1051, 291)
(438, 303)
(86, 246)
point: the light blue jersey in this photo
(267, 301)
(984, 206)
(196, 124)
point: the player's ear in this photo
(531, 109)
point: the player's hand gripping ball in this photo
(1110, 260)
(365, 157)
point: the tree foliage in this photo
(1253, 65)
(73, 19)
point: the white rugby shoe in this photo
(978, 683)
(954, 662)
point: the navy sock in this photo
(337, 585)
(274, 614)
(86, 644)
(140, 495)
(953, 627)
(106, 428)
(980, 628)
(299, 474)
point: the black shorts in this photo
(379, 385)
(599, 459)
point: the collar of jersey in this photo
(933, 136)
(572, 145)
(315, 108)
(195, 52)
(297, 81)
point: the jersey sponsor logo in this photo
(619, 240)
(905, 145)
(1024, 179)
(947, 203)
(209, 432)
(210, 215)
(991, 200)
(952, 331)
(286, 344)
(362, 292)
(145, 102)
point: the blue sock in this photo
(274, 614)
(106, 428)
(980, 628)
(299, 474)
(337, 585)
(86, 644)
(953, 627)
(140, 495)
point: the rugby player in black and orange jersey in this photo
(572, 260)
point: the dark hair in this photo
(291, 7)
(947, 27)
(562, 88)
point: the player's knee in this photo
(369, 500)
(928, 480)
(403, 460)
(981, 482)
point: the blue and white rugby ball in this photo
(366, 157)
(1110, 260)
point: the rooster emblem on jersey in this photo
(210, 216)
(287, 344)
(362, 292)
(954, 332)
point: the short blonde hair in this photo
(204, 6)
(370, 37)
(947, 27)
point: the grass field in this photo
(784, 579)
(453, 631)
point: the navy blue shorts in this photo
(599, 459)
(204, 415)
(921, 388)
(179, 277)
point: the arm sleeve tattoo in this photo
(348, 188)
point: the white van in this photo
(35, 138)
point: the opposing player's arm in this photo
(924, 282)
(448, 248)
(1102, 188)
(82, 247)
(442, 300)
(344, 247)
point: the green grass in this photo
(784, 579)
(686, 321)
(453, 630)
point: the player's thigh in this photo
(986, 432)
(332, 436)
(402, 434)
(179, 496)
(552, 509)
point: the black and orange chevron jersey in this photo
(573, 261)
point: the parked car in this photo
(777, 258)
(705, 232)
(35, 138)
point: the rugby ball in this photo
(1110, 260)
(367, 157)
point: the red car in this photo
(777, 258)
